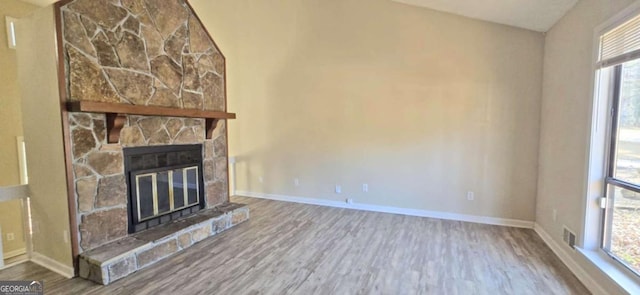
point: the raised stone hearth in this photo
(123, 257)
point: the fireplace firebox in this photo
(164, 183)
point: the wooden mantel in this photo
(116, 115)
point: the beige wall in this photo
(10, 116)
(11, 223)
(565, 120)
(421, 105)
(11, 122)
(43, 135)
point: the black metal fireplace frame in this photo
(131, 153)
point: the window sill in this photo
(624, 278)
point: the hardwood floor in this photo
(288, 248)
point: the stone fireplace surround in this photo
(147, 53)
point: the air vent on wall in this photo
(569, 237)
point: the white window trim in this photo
(22, 160)
(591, 238)
(11, 31)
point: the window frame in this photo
(610, 181)
(610, 157)
(589, 239)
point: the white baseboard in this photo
(14, 253)
(394, 210)
(577, 270)
(53, 265)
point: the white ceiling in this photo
(537, 15)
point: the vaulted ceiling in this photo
(536, 15)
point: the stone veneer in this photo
(118, 259)
(141, 52)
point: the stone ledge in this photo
(123, 257)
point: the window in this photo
(622, 212)
(619, 68)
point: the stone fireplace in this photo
(152, 172)
(100, 179)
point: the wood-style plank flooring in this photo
(288, 248)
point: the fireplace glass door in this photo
(159, 193)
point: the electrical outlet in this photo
(338, 189)
(296, 182)
(10, 237)
(260, 179)
(65, 236)
(470, 196)
(349, 201)
(365, 188)
(555, 215)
